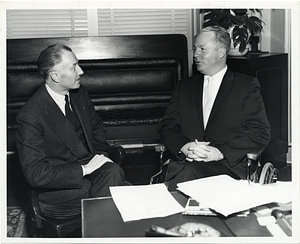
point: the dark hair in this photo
(49, 57)
(222, 36)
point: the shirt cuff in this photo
(83, 171)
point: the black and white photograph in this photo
(150, 121)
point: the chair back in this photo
(35, 210)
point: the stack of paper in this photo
(147, 201)
(226, 195)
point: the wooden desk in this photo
(101, 218)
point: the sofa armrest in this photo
(117, 154)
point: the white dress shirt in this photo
(211, 87)
(58, 99)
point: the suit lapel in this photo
(81, 111)
(61, 125)
(225, 87)
(198, 89)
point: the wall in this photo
(274, 35)
(278, 29)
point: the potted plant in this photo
(241, 26)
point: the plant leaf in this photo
(240, 36)
(235, 20)
(255, 24)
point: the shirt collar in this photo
(58, 98)
(219, 75)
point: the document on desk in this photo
(144, 201)
(226, 195)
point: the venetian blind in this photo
(46, 23)
(144, 21)
(43, 23)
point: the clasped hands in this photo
(201, 151)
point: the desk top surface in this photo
(101, 218)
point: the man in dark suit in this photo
(215, 118)
(61, 141)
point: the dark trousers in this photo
(109, 174)
(194, 170)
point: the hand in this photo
(213, 154)
(201, 151)
(95, 163)
(195, 151)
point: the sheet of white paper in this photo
(227, 195)
(146, 201)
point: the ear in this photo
(54, 76)
(222, 53)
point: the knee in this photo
(113, 168)
(190, 172)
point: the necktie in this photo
(69, 114)
(75, 122)
(207, 98)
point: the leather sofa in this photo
(130, 80)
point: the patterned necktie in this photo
(207, 98)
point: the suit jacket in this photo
(237, 124)
(50, 152)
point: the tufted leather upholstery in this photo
(130, 80)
